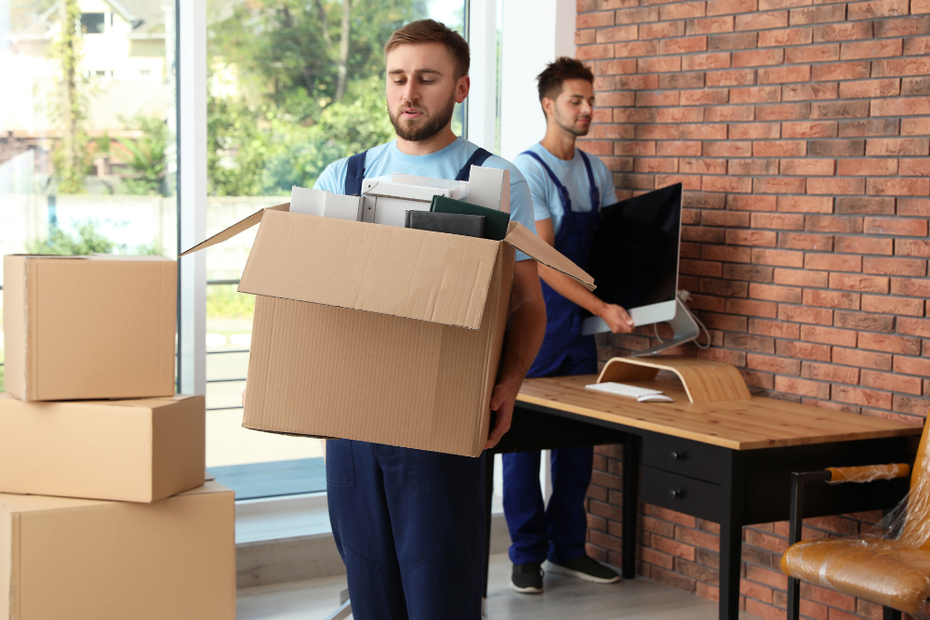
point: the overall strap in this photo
(477, 158)
(355, 173)
(563, 191)
(594, 191)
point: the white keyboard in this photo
(622, 389)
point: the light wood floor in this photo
(564, 597)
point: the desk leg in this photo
(630, 505)
(488, 496)
(731, 537)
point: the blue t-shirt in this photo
(443, 164)
(571, 174)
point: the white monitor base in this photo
(684, 328)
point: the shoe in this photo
(527, 578)
(585, 568)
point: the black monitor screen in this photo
(634, 259)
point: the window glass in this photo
(293, 86)
(92, 23)
(86, 130)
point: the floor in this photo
(564, 597)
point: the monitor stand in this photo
(684, 328)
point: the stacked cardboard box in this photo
(104, 510)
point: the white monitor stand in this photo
(684, 328)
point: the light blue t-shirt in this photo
(571, 174)
(443, 164)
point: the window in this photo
(93, 23)
(280, 108)
(93, 171)
(289, 91)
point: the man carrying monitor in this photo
(409, 524)
(568, 188)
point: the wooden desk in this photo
(724, 461)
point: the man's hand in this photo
(526, 326)
(243, 397)
(617, 319)
(502, 400)
(615, 316)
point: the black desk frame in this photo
(731, 487)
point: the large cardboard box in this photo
(130, 450)
(378, 333)
(89, 327)
(72, 558)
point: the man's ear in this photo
(461, 88)
(548, 106)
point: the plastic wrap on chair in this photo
(888, 564)
(868, 473)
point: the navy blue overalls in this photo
(409, 524)
(556, 531)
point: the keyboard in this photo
(622, 389)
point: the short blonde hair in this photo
(431, 31)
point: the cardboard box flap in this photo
(434, 277)
(235, 229)
(519, 237)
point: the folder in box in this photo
(455, 223)
(495, 223)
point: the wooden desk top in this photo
(748, 424)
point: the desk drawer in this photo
(685, 457)
(696, 498)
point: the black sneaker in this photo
(585, 568)
(527, 578)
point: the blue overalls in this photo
(409, 524)
(556, 531)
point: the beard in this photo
(571, 128)
(425, 127)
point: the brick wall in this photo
(800, 130)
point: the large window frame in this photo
(191, 67)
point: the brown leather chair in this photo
(893, 572)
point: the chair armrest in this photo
(835, 475)
(868, 473)
(832, 475)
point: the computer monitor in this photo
(634, 260)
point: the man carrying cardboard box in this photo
(409, 524)
(569, 188)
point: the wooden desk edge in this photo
(891, 429)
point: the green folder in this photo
(495, 222)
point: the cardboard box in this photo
(72, 558)
(131, 450)
(378, 333)
(89, 327)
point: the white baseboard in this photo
(297, 558)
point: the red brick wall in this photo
(800, 130)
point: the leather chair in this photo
(894, 571)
